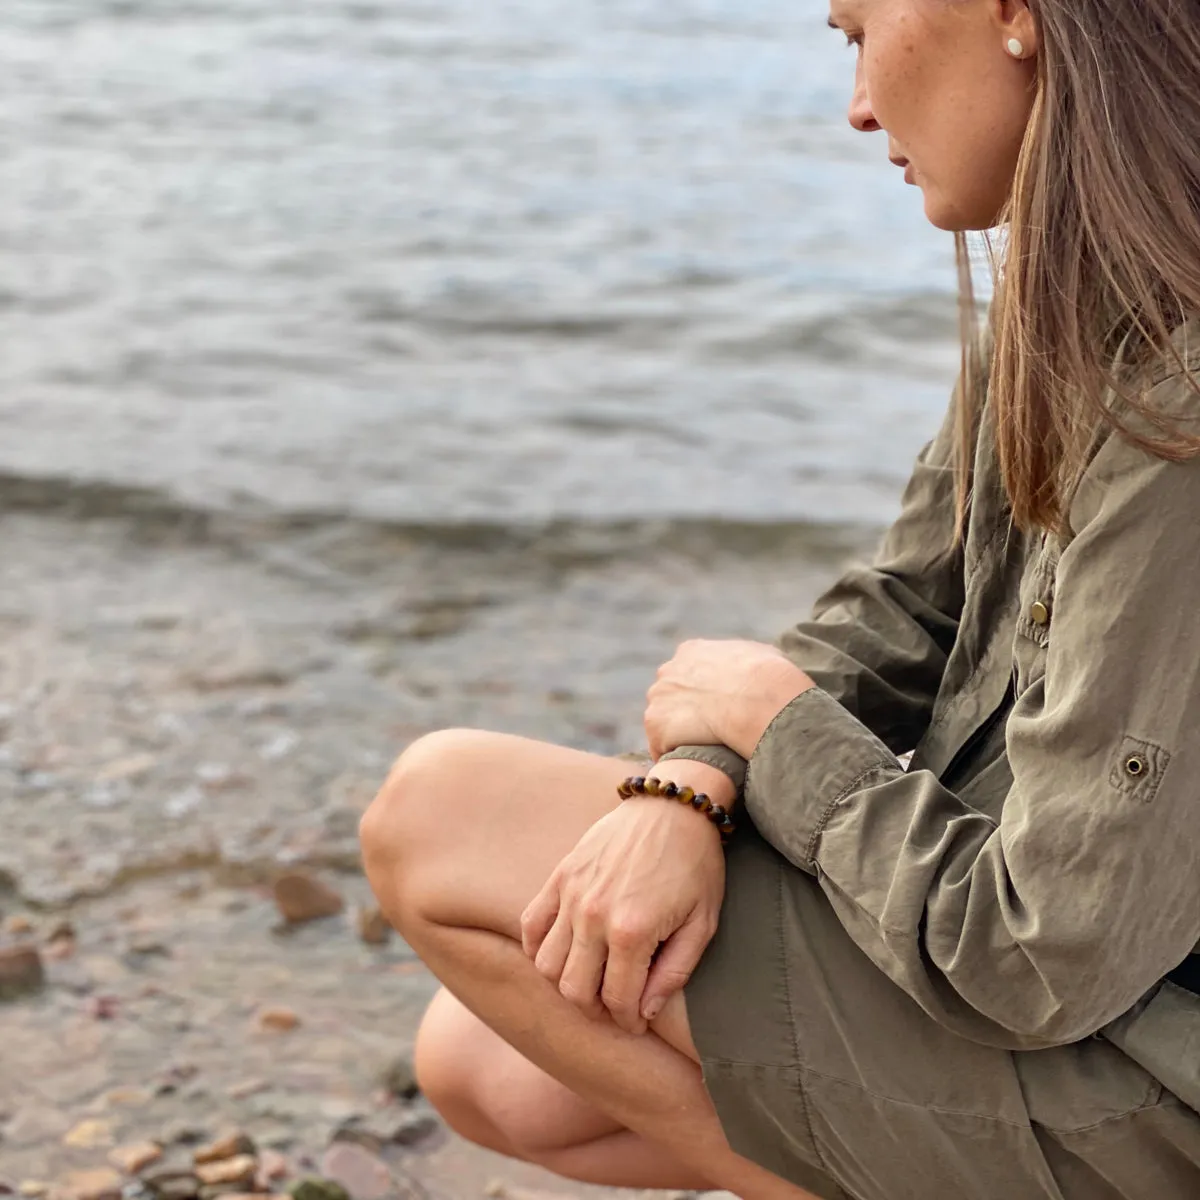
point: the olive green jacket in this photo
(1035, 873)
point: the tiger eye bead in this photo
(685, 795)
(701, 803)
(638, 785)
(653, 787)
(726, 826)
(625, 791)
(669, 791)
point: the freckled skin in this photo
(936, 76)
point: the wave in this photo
(157, 513)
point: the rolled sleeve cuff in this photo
(720, 757)
(811, 757)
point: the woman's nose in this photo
(862, 117)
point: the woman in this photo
(945, 982)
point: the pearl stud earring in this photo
(1016, 48)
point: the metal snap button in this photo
(1136, 766)
(1039, 613)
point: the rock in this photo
(35, 1189)
(247, 1088)
(18, 926)
(363, 1174)
(103, 1183)
(21, 971)
(61, 931)
(173, 1180)
(133, 1159)
(373, 927)
(414, 1129)
(399, 1079)
(240, 1170)
(272, 1167)
(231, 1145)
(317, 1189)
(277, 1020)
(132, 768)
(128, 1097)
(182, 1133)
(102, 1008)
(299, 898)
(90, 1135)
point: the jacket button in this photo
(1039, 614)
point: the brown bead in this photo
(625, 791)
(718, 814)
(670, 791)
(726, 826)
(701, 803)
(653, 787)
(685, 795)
(639, 785)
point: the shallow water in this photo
(458, 262)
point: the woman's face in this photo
(938, 77)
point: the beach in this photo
(370, 369)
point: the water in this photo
(452, 261)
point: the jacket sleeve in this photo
(879, 640)
(1040, 929)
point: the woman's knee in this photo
(414, 815)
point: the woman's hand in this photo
(720, 693)
(624, 918)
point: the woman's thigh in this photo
(477, 822)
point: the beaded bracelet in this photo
(637, 785)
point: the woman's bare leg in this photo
(464, 834)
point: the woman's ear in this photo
(1016, 27)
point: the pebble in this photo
(128, 1097)
(136, 1157)
(35, 1189)
(18, 926)
(415, 1129)
(317, 1189)
(277, 1020)
(102, 1183)
(21, 971)
(247, 1088)
(131, 768)
(272, 1167)
(363, 1174)
(300, 897)
(102, 1008)
(231, 1145)
(240, 1170)
(399, 1079)
(89, 1135)
(373, 927)
(280, 746)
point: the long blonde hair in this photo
(1102, 254)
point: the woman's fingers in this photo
(551, 957)
(539, 916)
(583, 973)
(674, 966)
(625, 979)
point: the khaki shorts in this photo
(825, 1072)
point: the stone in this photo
(18, 926)
(61, 931)
(128, 1097)
(364, 1175)
(35, 1189)
(399, 1079)
(134, 1158)
(247, 1088)
(272, 1167)
(21, 971)
(102, 1008)
(231, 1145)
(90, 1135)
(301, 897)
(102, 1183)
(240, 1170)
(373, 927)
(414, 1129)
(277, 1020)
(132, 768)
(312, 1188)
